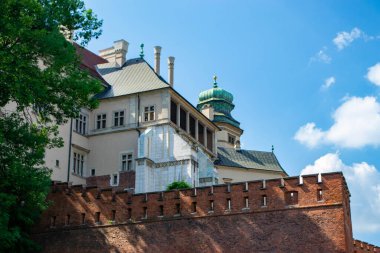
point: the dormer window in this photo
(149, 113)
(231, 139)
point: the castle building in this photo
(145, 135)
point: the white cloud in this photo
(356, 124)
(309, 135)
(321, 56)
(364, 184)
(328, 82)
(373, 74)
(344, 39)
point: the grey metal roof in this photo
(135, 76)
(248, 159)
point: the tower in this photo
(217, 104)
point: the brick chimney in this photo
(117, 53)
(171, 70)
(157, 59)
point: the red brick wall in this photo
(126, 180)
(363, 247)
(307, 226)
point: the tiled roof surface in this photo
(89, 60)
(136, 75)
(248, 159)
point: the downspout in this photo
(138, 115)
(70, 141)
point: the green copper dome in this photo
(222, 102)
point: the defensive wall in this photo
(295, 214)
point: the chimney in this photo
(157, 59)
(237, 145)
(171, 70)
(117, 53)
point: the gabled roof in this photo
(248, 159)
(136, 75)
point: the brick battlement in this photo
(80, 206)
(360, 247)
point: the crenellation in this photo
(102, 205)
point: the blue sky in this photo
(300, 72)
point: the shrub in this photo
(178, 185)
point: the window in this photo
(83, 218)
(113, 215)
(192, 126)
(246, 202)
(291, 198)
(129, 215)
(201, 137)
(97, 217)
(68, 220)
(92, 172)
(161, 210)
(264, 200)
(210, 143)
(118, 118)
(115, 179)
(228, 204)
(231, 139)
(149, 113)
(183, 119)
(319, 195)
(78, 164)
(211, 205)
(126, 162)
(173, 112)
(178, 208)
(81, 124)
(56, 163)
(145, 212)
(194, 207)
(101, 120)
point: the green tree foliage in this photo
(178, 185)
(40, 74)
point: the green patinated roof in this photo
(222, 103)
(248, 159)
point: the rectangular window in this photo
(264, 200)
(145, 212)
(149, 113)
(291, 198)
(178, 208)
(231, 139)
(118, 118)
(129, 215)
(78, 164)
(211, 205)
(101, 120)
(56, 163)
(83, 218)
(246, 202)
(319, 195)
(126, 162)
(113, 215)
(192, 126)
(228, 204)
(92, 172)
(210, 142)
(183, 119)
(81, 124)
(201, 137)
(97, 217)
(161, 210)
(114, 179)
(194, 207)
(173, 112)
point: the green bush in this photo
(178, 185)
